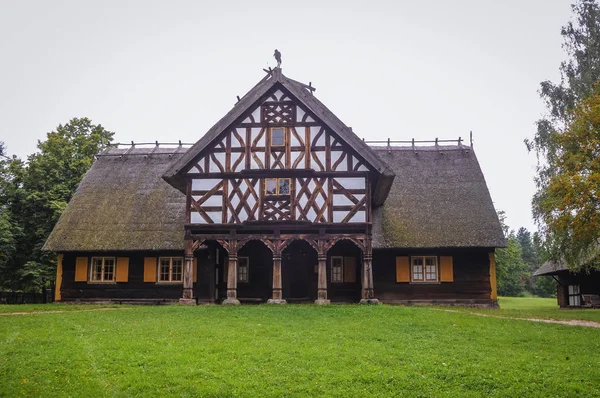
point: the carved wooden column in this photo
(277, 297)
(188, 275)
(232, 275)
(322, 282)
(367, 291)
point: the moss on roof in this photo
(439, 198)
(123, 203)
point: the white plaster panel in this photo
(314, 130)
(341, 200)
(216, 216)
(256, 115)
(299, 114)
(221, 156)
(360, 216)
(362, 168)
(293, 140)
(322, 156)
(293, 156)
(311, 214)
(253, 164)
(254, 133)
(313, 133)
(235, 143)
(278, 94)
(195, 170)
(195, 218)
(338, 216)
(204, 185)
(276, 166)
(235, 156)
(335, 155)
(213, 200)
(309, 119)
(243, 215)
(352, 182)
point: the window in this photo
(277, 186)
(337, 269)
(243, 270)
(170, 269)
(277, 136)
(424, 269)
(103, 269)
(574, 296)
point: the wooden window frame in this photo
(342, 269)
(271, 137)
(576, 296)
(424, 270)
(171, 281)
(247, 266)
(277, 186)
(102, 265)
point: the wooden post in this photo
(277, 297)
(232, 276)
(188, 277)
(367, 291)
(322, 283)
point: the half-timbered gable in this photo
(279, 161)
(280, 201)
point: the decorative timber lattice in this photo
(278, 112)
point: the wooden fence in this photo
(26, 298)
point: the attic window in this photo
(277, 186)
(277, 136)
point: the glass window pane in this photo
(109, 269)
(163, 272)
(284, 186)
(277, 137)
(177, 270)
(271, 186)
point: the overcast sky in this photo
(168, 70)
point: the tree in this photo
(511, 271)
(35, 194)
(566, 203)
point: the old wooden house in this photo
(280, 202)
(573, 289)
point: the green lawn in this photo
(544, 308)
(293, 350)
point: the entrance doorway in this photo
(299, 272)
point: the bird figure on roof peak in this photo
(277, 56)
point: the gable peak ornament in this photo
(277, 56)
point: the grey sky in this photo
(168, 70)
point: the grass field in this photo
(295, 350)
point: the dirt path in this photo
(573, 322)
(61, 311)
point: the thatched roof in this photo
(439, 198)
(276, 80)
(122, 203)
(551, 268)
